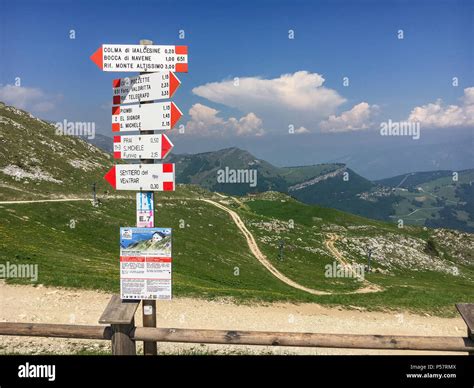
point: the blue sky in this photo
(355, 39)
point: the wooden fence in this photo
(121, 330)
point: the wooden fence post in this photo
(120, 314)
(467, 313)
(122, 344)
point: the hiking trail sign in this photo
(142, 147)
(145, 263)
(145, 117)
(141, 58)
(146, 87)
(145, 251)
(142, 177)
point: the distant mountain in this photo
(332, 184)
(423, 198)
(204, 169)
(411, 180)
(435, 198)
(36, 162)
(345, 190)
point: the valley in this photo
(260, 246)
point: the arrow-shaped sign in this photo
(142, 177)
(142, 147)
(141, 58)
(146, 117)
(146, 87)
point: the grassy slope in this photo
(32, 145)
(414, 290)
(205, 256)
(208, 250)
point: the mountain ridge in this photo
(46, 164)
(337, 186)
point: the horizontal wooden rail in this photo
(56, 330)
(452, 344)
(358, 341)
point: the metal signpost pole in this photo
(149, 306)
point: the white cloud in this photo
(29, 99)
(302, 130)
(246, 125)
(439, 115)
(205, 122)
(299, 99)
(358, 118)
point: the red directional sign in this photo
(145, 117)
(142, 147)
(141, 58)
(142, 177)
(145, 87)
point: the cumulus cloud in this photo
(358, 118)
(299, 98)
(246, 125)
(30, 99)
(301, 130)
(205, 122)
(439, 115)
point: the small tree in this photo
(430, 248)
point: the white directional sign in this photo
(141, 58)
(146, 87)
(142, 177)
(145, 117)
(142, 147)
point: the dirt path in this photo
(259, 255)
(72, 199)
(368, 287)
(46, 200)
(57, 305)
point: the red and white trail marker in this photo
(142, 177)
(145, 117)
(141, 58)
(142, 147)
(146, 87)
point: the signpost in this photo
(141, 58)
(142, 147)
(145, 251)
(145, 117)
(142, 177)
(146, 87)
